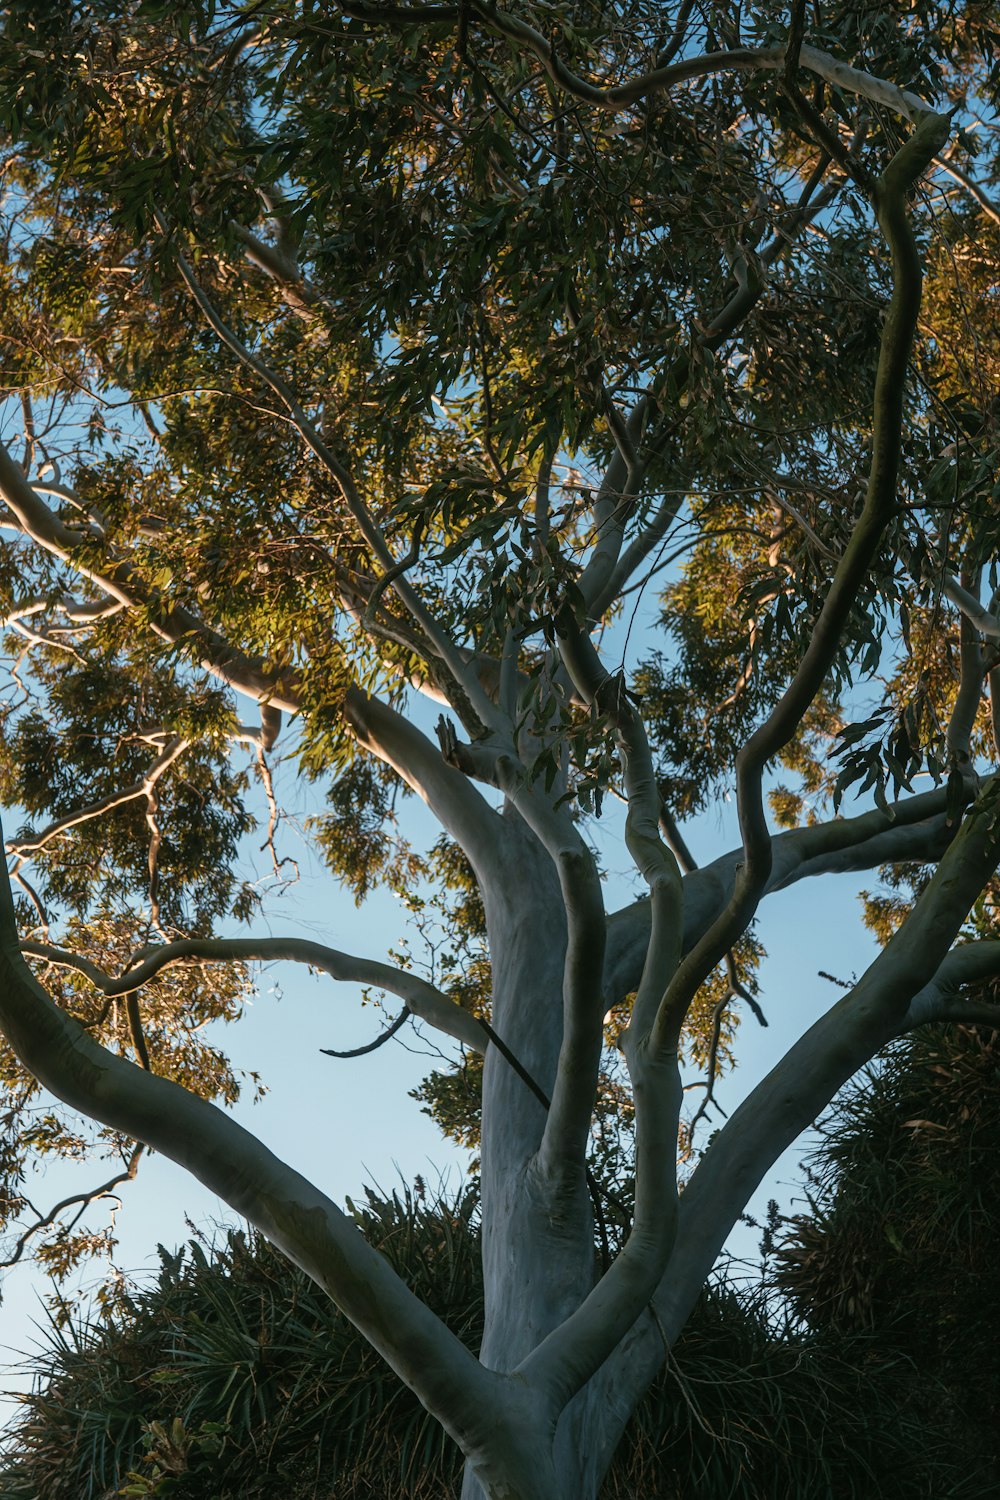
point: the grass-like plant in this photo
(232, 1376)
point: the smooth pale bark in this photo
(538, 1246)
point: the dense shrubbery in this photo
(233, 1375)
(902, 1238)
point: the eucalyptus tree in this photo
(362, 356)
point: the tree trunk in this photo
(538, 1246)
(567, 1472)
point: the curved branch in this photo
(652, 857)
(983, 620)
(886, 1001)
(942, 999)
(916, 829)
(781, 724)
(170, 622)
(892, 996)
(661, 79)
(299, 293)
(971, 186)
(423, 999)
(459, 807)
(380, 1040)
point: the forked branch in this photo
(80, 1201)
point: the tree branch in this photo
(962, 721)
(462, 810)
(424, 1000)
(380, 1041)
(81, 1201)
(972, 187)
(24, 848)
(781, 724)
(615, 97)
(880, 1007)
(170, 622)
(565, 1360)
(609, 569)
(299, 293)
(983, 619)
(915, 829)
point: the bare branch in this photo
(423, 999)
(24, 848)
(616, 97)
(380, 1040)
(653, 859)
(962, 722)
(881, 1006)
(564, 1140)
(944, 998)
(567, 1358)
(972, 187)
(80, 1201)
(892, 996)
(984, 620)
(296, 289)
(677, 37)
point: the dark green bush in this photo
(233, 1376)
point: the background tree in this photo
(360, 356)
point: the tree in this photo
(367, 355)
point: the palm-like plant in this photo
(902, 1233)
(233, 1376)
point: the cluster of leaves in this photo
(491, 317)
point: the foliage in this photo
(233, 1374)
(901, 1234)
